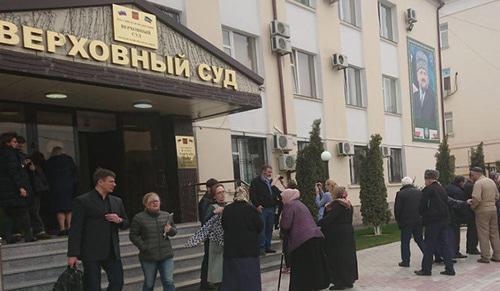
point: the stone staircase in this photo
(36, 266)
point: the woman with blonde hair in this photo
(336, 225)
(149, 232)
(323, 198)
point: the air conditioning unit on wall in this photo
(281, 45)
(339, 61)
(280, 28)
(287, 162)
(284, 142)
(386, 151)
(345, 149)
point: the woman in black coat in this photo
(61, 174)
(336, 225)
(242, 224)
(15, 190)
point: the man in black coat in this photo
(15, 189)
(435, 217)
(459, 215)
(408, 218)
(263, 194)
(472, 239)
(93, 235)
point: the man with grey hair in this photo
(435, 217)
(424, 98)
(484, 196)
(408, 218)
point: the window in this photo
(387, 19)
(354, 87)
(240, 47)
(448, 123)
(249, 155)
(176, 15)
(309, 3)
(303, 73)
(391, 96)
(349, 12)
(443, 34)
(395, 166)
(301, 145)
(355, 164)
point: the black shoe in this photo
(483, 260)
(62, 232)
(43, 235)
(270, 251)
(474, 252)
(404, 264)
(337, 287)
(13, 240)
(422, 273)
(448, 273)
(460, 256)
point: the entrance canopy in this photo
(111, 54)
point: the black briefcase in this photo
(70, 280)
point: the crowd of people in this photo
(28, 183)
(434, 215)
(319, 252)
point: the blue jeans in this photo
(267, 217)
(166, 269)
(407, 232)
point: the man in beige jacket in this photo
(484, 196)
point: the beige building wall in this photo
(327, 35)
(474, 43)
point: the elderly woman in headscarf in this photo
(305, 244)
(242, 224)
(336, 225)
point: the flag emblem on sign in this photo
(122, 13)
(135, 15)
(147, 19)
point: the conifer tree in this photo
(373, 193)
(445, 163)
(477, 157)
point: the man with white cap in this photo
(408, 218)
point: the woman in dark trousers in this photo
(61, 174)
(40, 190)
(340, 245)
(15, 190)
(242, 225)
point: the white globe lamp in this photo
(326, 156)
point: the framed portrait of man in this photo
(423, 94)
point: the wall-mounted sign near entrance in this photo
(134, 27)
(186, 152)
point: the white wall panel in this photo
(393, 130)
(305, 113)
(389, 59)
(303, 28)
(357, 125)
(240, 14)
(352, 45)
(254, 121)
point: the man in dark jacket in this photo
(459, 216)
(408, 218)
(472, 239)
(93, 236)
(15, 190)
(435, 217)
(263, 195)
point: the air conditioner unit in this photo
(287, 162)
(281, 45)
(280, 28)
(386, 151)
(411, 16)
(284, 142)
(339, 61)
(345, 149)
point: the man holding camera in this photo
(264, 196)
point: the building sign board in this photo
(134, 27)
(186, 152)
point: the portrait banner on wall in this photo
(423, 94)
(186, 152)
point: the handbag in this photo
(70, 280)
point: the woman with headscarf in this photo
(340, 244)
(242, 224)
(305, 245)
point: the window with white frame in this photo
(443, 34)
(354, 87)
(395, 165)
(249, 155)
(303, 73)
(387, 19)
(241, 47)
(355, 164)
(309, 3)
(349, 11)
(391, 95)
(448, 123)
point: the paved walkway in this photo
(378, 270)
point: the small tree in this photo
(309, 168)
(445, 163)
(373, 193)
(477, 157)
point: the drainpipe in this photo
(280, 77)
(441, 4)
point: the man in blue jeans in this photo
(263, 194)
(408, 218)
